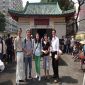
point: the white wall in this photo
(60, 26)
(54, 23)
(60, 29)
(24, 28)
(24, 23)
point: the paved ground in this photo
(70, 74)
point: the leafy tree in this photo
(2, 22)
(64, 4)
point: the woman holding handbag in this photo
(37, 55)
(46, 51)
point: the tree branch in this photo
(80, 2)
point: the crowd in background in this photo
(7, 49)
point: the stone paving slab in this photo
(69, 71)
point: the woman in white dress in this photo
(19, 57)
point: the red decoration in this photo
(41, 21)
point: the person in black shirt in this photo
(46, 49)
(62, 44)
(9, 50)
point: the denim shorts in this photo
(46, 62)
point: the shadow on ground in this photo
(42, 82)
(62, 62)
(9, 68)
(35, 82)
(68, 79)
(9, 82)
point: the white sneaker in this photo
(36, 76)
(39, 78)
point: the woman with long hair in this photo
(37, 55)
(46, 50)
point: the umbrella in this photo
(82, 42)
(80, 36)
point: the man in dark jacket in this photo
(9, 51)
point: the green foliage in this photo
(47, 1)
(2, 22)
(64, 4)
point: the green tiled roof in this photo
(41, 9)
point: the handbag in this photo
(56, 57)
(35, 50)
(2, 66)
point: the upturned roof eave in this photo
(23, 15)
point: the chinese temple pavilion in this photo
(42, 18)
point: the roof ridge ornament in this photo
(58, 7)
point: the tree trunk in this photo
(80, 2)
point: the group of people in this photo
(6, 49)
(28, 48)
(67, 44)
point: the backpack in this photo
(31, 42)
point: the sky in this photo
(31, 1)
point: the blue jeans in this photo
(28, 61)
(46, 62)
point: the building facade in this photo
(16, 5)
(11, 25)
(81, 18)
(10, 4)
(42, 18)
(4, 5)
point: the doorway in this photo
(42, 32)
